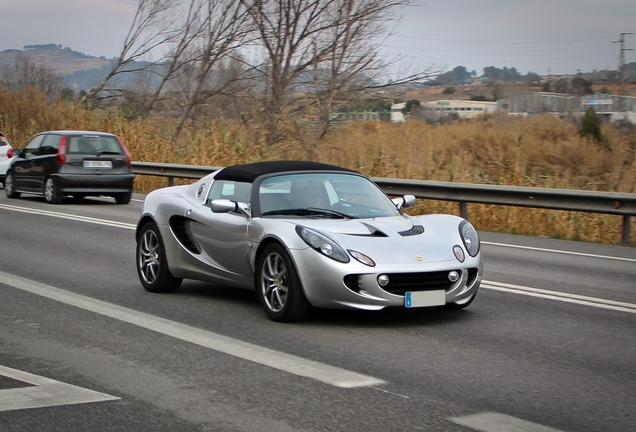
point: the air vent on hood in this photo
(415, 230)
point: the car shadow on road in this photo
(246, 303)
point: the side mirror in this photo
(228, 206)
(223, 206)
(407, 201)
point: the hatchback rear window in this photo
(94, 145)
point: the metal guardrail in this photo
(622, 204)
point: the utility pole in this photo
(621, 61)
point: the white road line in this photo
(69, 216)
(286, 362)
(560, 296)
(45, 393)
(495, 422)
(559, 251)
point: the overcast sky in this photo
(542, 36)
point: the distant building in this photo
(397, 115)
(612, 107)
(461, 108)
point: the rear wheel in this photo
(52, 193)
(152, 266)
(9, 187)
(123, 198)
(278, 286)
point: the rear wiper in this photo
(311, 211)
(99, 153)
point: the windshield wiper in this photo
(99, 153)
(311, 211)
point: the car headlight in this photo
(322, 244)
(469, 237)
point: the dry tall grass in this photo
(540, 151)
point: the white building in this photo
(461, 108)
(396, 112)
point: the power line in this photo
(502, 43)
(495, 52)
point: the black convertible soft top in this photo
(250, 172)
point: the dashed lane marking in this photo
(495, 422)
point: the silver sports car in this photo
(306, 234)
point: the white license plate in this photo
(98, 164)
(424, 298)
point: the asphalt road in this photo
(548, 345)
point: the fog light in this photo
(383, 280)
(453, 276)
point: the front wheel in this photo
(52, 193)
(278, 286)
(152, 266)
(9, 187)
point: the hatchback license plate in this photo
(98, 164)
(425, 298)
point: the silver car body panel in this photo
(224, 249)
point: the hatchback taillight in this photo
(61, 151)
(10, 153)
(128, 159)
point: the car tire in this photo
(278, 287)
(9, 187)
(152, 265)
(123, 198)
(462, 305)
(52, 193)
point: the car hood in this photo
(396, 239)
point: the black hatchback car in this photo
(77, 163)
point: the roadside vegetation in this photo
(541, 151)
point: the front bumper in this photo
(329, 284)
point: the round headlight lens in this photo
(469, 237)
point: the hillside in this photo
(62, 60)
(81, 71)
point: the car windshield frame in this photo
(333, 195)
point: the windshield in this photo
(332, 195)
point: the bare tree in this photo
(26, 73)
(153, 27)
(224, 31)
(192, 41)
(353, 66)
(324, 48)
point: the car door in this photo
(223, 236)
(22, 166)
(44, 161)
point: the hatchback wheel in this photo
(52, 193)
(152, 266)
(278, 286)
(123, 198)
(9, 187)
